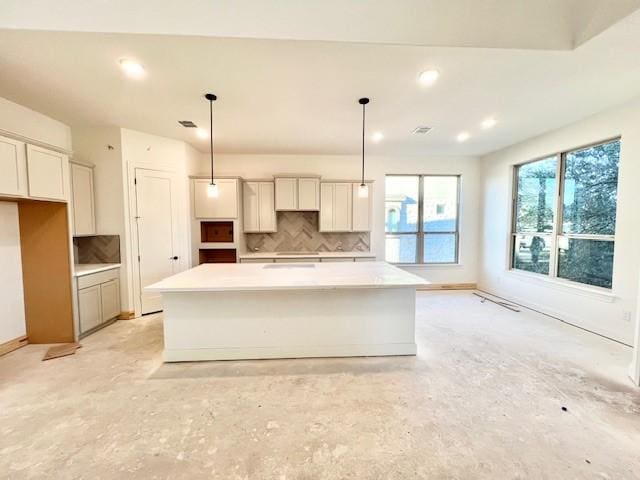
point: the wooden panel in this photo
(216, 231)
(308, 194)
(46, 267)
(286, 193)
(217, 255)
(449, 286)
(12, 345)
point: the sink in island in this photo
(256, 311)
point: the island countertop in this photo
(223, 277)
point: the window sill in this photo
(600, 294)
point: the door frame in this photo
(180, 214)
(634, 368)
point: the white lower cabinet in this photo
(98, 299)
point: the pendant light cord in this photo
(363, 115)
(211, 135)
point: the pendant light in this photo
(363, 189)
(212, 188)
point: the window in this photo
(571, 238)
(421, 218)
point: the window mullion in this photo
(557, 224)
(420, 235)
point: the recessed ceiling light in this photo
(202, 133)
(428, 77)
(132, 68)
(377, 136)
(463, 136)
(489, 123)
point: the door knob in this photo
(173, 258)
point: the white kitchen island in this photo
(282, 310)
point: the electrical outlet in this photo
(626, 316)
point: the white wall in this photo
(348, 167)
(610, 316)
(12, 320)
(28, 123)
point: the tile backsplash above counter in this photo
(298, 232)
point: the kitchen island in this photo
(288, 310)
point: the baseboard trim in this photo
(12, 345)
(127, 315)
(450, 286)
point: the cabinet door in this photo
(308, 194)
(361, 209)
(342, 203)
(82, 200)
(223, 206)
(266, 207)
(13, 170)
(286, 193)
(110, 293)
(326, 207)
(89, 308)
(46, 173)
(250, 199)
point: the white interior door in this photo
(155, 220)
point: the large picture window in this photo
(565, 215)
(421, 218)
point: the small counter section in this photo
(82, 269)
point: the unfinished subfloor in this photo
(484, 398)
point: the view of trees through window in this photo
(573, 238)
(421, 218)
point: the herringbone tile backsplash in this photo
(298, 232)
(97, 249)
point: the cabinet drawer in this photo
(98, 278)
(256, 260)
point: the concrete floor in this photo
(483, 399)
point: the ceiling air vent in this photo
(187, 123)
(421, 130)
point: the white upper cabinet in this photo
(45, 172)
(82, 198)
(308, 194)
(286, 193)
(259, 207)
(362, 208)
(224, 206)
(297, 193)
(335, 207)
(13, 168)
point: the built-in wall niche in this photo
(217, 255)
(216, 232)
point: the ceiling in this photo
(300, 96)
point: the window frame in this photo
(420, 234)
(558, 211)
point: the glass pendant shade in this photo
(212, 190)
(363, 190)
